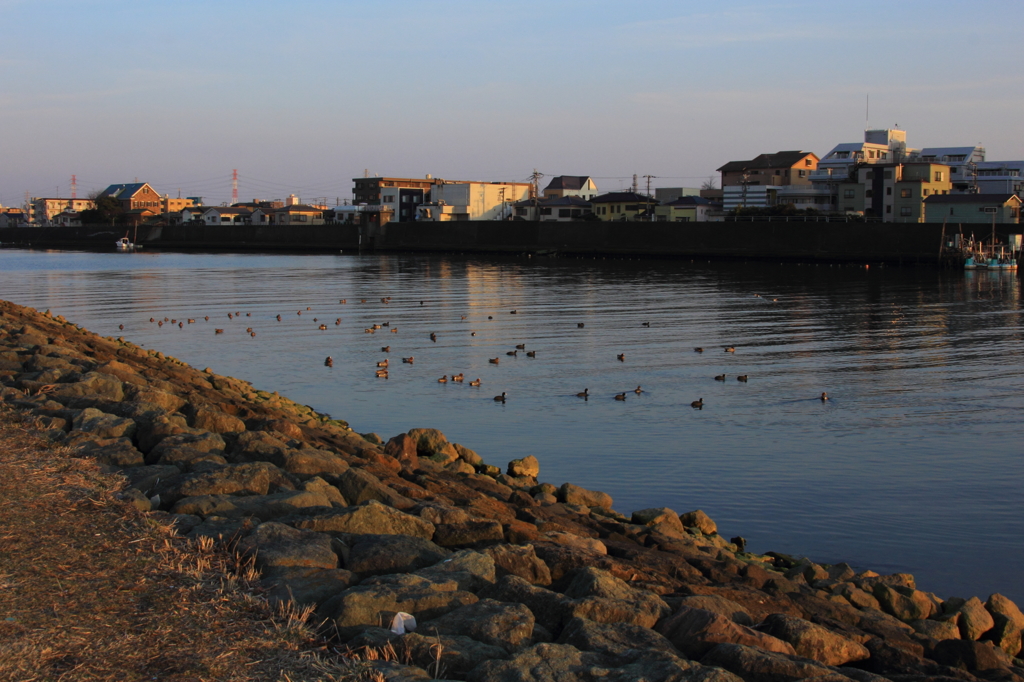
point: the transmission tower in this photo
(74, 187)
(234, 186)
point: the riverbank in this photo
(502, 571)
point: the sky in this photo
(303, 96)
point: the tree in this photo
(709, 183)
(108, 211)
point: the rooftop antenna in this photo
(234, 186)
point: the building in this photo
(169, 205)
(558, 209)
(401, 196)
(299, 214)
(42, 210)
(669, 194)
(622, 205)
(894, 192)
(67, 219)
(996, 177)
(778, 169)
(685, 209)
(472, 200)
(962, 162)
(972, 208)
(12, 218)
(582, 186)
(136, 195)
(222, 215)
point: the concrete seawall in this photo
(776, 239)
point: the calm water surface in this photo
(914, 464)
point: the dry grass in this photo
(91, 589)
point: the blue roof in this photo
(119, 191)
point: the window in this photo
(888, 208)
(883, 155)
(803, 173)
(545, 210)
(808, 162)
(869, 175)
(924, 192)
(904, 193)
(906, 210)
(868, 193)
(778, 172)
(938, 176)
(842, 155)
(849, 209)
(888, 191)
(563, 213)
(848, 194)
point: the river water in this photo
(913, 464)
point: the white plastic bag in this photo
(403, 622)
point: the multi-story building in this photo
(400, 196)
(172, 205)
(472, 200)
(893, 192)
(582, 186)
(42, 210)
(684, 209)
(995, 177)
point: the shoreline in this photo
(364, 527)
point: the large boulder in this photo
(275, 544)
(661, 519)
(509, 626)
(216, 421)
(469, 533)
(104, 425)
(527, 466)
(755, 664)
(472, 571)
(720, 605)
(263, 507)
(360, 486)
(117, 452)
(601, 597)
(699, 520)
(574, 494)
(1008, 624)
(620, 643)
(91, 385)
(377, 599)
(906, 603)
(303, 585)
(403, 448)
(696, 631)
(380, 554)
(233, 479)
(970, 655)
(813, 641)
(550, 609)
(975, 620)
(370, 518)
(520, 560)
(312, 462)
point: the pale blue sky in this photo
(303, 96)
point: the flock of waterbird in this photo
(382, 369)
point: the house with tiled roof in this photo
(622, 205)
(225, 215)
(778, 169)
(582, 186)
(135, 195)
(559, 209)
(298, 214)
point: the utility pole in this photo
(535, 190)
(649, 216)
(746, 177)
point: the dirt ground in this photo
(92, 589)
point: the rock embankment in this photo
(508, 578)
